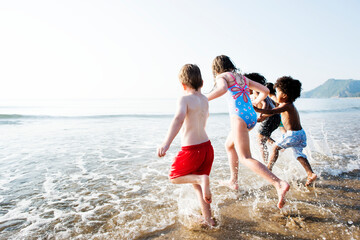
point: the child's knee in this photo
(229, 146)
(301, 159)
(277, 148)
(244, 156)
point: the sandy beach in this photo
(320, 212)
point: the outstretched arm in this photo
(220, 89)
(263, 91)
(174, 128)
(279, 109)
(262, 117)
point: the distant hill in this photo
(335, 88)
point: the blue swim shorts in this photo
(296, 140)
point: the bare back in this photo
(197, 113)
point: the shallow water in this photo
(328, 211)
(94, 175)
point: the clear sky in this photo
(118, 48)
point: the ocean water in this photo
(88, 169)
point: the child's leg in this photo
(263, 148)
(273, 157)
(202, 180)
(306, 165)
(233, 162)
(270, 140)
(205, 207)
(242, 146)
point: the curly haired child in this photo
(287, 91)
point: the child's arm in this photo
(174, 128)
(261, 104)
(263, 116)
(220, 89)
(279, 109)
(261, 89)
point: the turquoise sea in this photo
(87, 169)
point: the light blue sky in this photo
(114, 49)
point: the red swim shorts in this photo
(194, 159)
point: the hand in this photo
(261, 118)
(256, 109)
(161, 151)
(255, 103)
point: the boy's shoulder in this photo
(190, 98)
(290, 107)
(286, 106)
(193, 95)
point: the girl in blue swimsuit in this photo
(243, 118)
(240, 103)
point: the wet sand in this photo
(328, 210)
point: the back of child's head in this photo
(291, 87)
(190, 76)
(271, 87)
(222, 64)
(256, 77)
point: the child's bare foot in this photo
(281, 191)
(230, 184)
(208, 223)
(205, 185)
(311, 179)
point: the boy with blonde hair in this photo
(193, 163)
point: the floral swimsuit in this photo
(240, 103)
